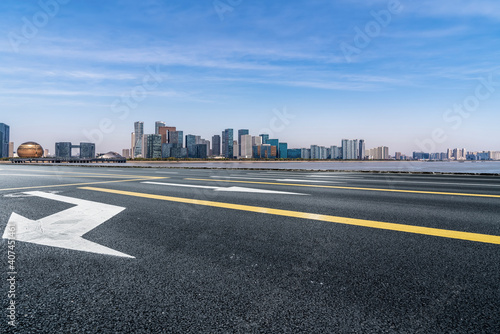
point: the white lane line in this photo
(268, 179)
(66, 228)
(228, 189)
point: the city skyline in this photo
(408, 76)
(352, 149)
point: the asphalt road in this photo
(225, 251)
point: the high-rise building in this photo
(256, 140)
(176, 138)
(264, 151)
(361, 152)
(227, 143)
(207, 143)
(46, 153)
(138, 139)
(166, 150)
(245, 146)
(350, 149)
(4, 140)
(335, 152)
(241, 132)
(305, 153)
(199, 151)
(11, 149)
(190, 143)
(126, 153)
(216, 145)
(323, 153)
(87, 150)
(314, 152)
(265, 138)
(163, 131)
(275, 143)
(158, 125)
(283, 150)
(63, 150)
(152, 147)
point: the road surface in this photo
(133, 250)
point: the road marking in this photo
(264, 178)
(66, 228)
(425, 182)
(354, 188)
(56, 173)
(484, 238)
(228, 189)
(70, 176)
(82, 184)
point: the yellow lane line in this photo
(78, 184)
(484, 238)
(353, 188)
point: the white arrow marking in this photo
(66, 228)
(235, 189)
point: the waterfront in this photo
(479, 167)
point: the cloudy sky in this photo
(411, 75)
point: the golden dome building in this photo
(30, 150)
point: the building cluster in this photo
(169, 142)
(457, 154)
(64, 149)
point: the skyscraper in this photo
(265, 138)
(241, 132)
(4, 140)
(216, 145)
(163, 131)
(176, 138)
(138, 137)
(256, 140)
(335, 152)
(283, 151)
(190, 145)
(350, 149)
(275, 143)
(227, 143)
(361, 149)
(158, 124)
(245, 145)
(152, 146)
(315, 152)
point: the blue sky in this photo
(80, 74)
